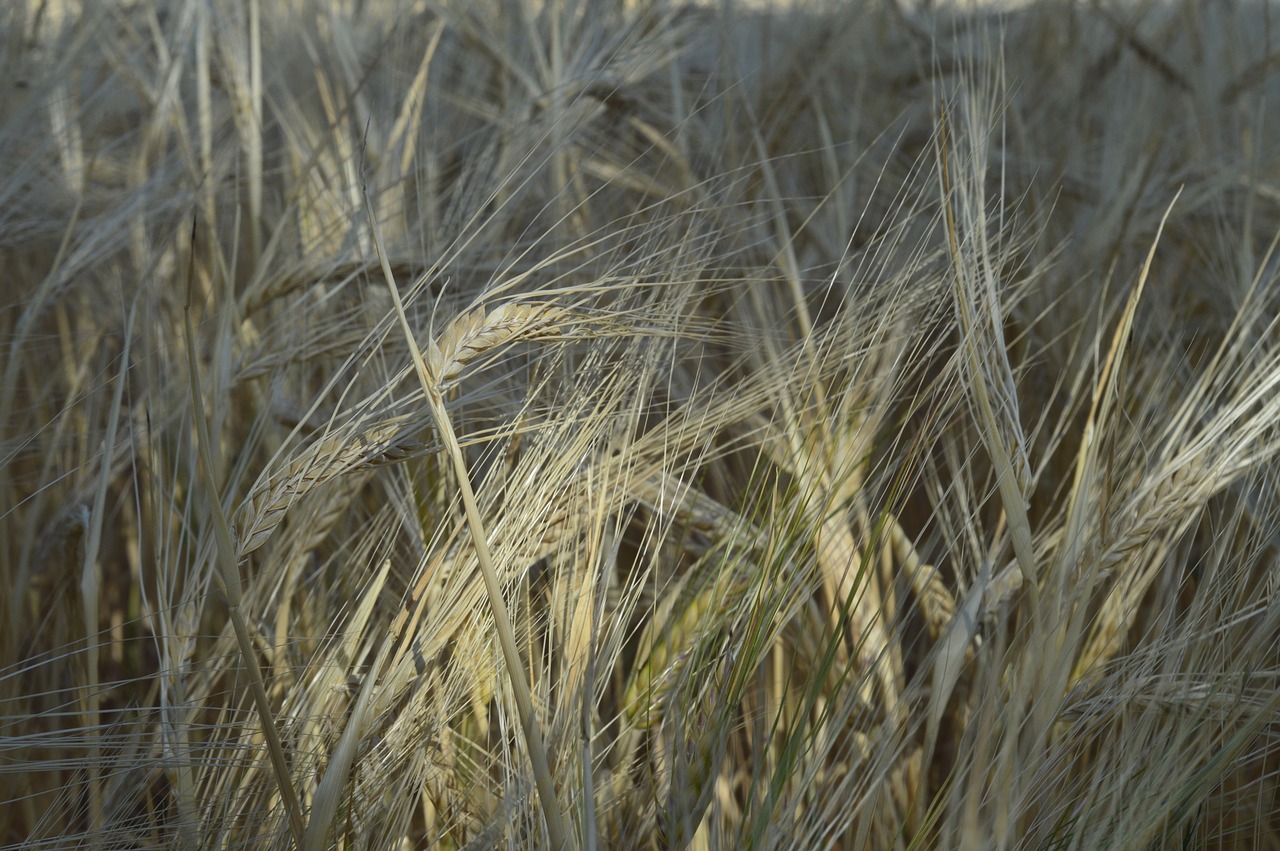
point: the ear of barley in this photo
(479, 331)
(345, 452)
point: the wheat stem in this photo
(228, 580)
(431, 387)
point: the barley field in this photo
(630, 424)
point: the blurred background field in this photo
(870, 409)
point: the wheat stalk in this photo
(228, 579)
(464, 341)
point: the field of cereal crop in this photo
(610, 424)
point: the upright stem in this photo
(506, 632)
(502, 620)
